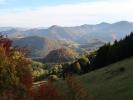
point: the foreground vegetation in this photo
(16, 76)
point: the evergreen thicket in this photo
(111, 53)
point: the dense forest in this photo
(110, 53)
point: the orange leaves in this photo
(16, 78)
(79, 91)
(5, 43)
(47, 92)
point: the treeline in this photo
(111, 53)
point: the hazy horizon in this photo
(42, 13)
(65, 25)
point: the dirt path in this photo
(37, 84)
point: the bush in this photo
(84, 63)
(122, 69)
(48, 92)
(76, 67)
(53, 78)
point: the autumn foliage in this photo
(16, 79)
(15, 76)
(47, 92)
(80, 93)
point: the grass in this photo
(114, 82)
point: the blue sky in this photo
(11, 4)
(44, 13)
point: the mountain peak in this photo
(103, 23)
(54, 26)
(122, 22)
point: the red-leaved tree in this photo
(15, 75)
(16, 78)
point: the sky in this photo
(45, 13)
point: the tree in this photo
(76, 67)
(15, 76)
(84, 63)
(101, 57)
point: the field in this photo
(114, 82)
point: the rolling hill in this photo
(61, 55)
(113, 82)
(38, 46)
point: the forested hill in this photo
(61, 55)
(38, 46)
(110, 53)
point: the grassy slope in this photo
(110, 83)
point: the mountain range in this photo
(41, 41)
(82, 34)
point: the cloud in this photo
(70, 15)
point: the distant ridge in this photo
(82, 34)
(38, 46)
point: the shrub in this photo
(76, 67)
(79, 92)
(47, 92)
(84, 63)
(53, 78)
(122, 69)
